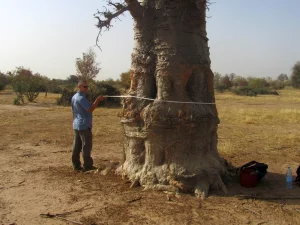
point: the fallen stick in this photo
(134, 200)
(65, 151)
(261, 223)
(297, 210)
(60, 215)
(48, 215)
(69, 212)
(251, 210)
(241, 197)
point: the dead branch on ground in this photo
(61, 215)
(241, 197)
(134, 200)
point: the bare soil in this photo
(36, 175)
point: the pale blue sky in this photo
(250, 38)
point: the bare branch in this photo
(106, 16)
(208, 4)
(118, 6)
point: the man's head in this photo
(83, 86)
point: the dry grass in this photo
(265, 125)
(35, 145)
(260, 124)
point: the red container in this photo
(248, 178)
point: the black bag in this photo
(260, 169)
(298, 176)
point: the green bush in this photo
(17, 101)
(244, 91)
(249, 91)
(66, 96)
(95, 89)
(2, 86)
(102, 88)
(29, 86)
(220, 88)
(295, 76)
(265, 91)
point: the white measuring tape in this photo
(151, 99)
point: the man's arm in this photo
(95, 104)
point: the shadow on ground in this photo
(272, 187)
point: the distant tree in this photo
(65, 97)
(239, 81)
(226, 81)
(257, 82)
(222, 83)
(86, 67)
(220, 88)
(278, 84)
(231, 77)
(282, 77)
(45, 84)
(22, 72)
(107, 87)
(58, 85)
(295, 76)
(217, 78)
(269, 80)
(9, 76)
(73, 79)
(3, 80)
(287, 82)
(25, 83)
(110, 82)
(125, 79)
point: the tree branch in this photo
(106, 16)
(208, 4)
(134, 8)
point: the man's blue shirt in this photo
(80, 106)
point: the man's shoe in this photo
(78, 168)
(89, 168)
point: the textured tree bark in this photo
(170, 146)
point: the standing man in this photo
(82, 125)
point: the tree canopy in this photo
(87, 67)
(295, 76)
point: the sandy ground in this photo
(36, 178)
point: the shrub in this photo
(66, 96)
(244, 91)
(295, 76)
(95, 89)
(24, 83)
(102, 88)
(2, 86)
(265, 91)
(220, 88)
(17, 101)
(249, 91)
(278, 85)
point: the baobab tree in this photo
(169, 143)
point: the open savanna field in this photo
(36, 175)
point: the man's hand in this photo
(100, 98)
(96, 102)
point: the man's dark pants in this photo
(82, 142)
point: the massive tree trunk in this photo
(170, 145)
